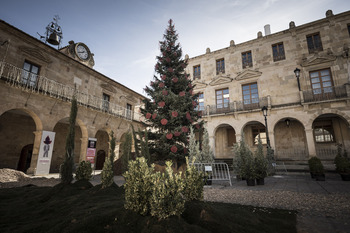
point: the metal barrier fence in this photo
(215, 171)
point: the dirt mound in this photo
(10, 175)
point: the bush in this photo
(84, 171)
(243, 162)
(315, 166)
(194, 182)
(107, 174)
(138, 186)
(260, 163)
(342, 165)
(166, 199)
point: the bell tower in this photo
(53, 33)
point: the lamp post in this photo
(264, 110)
(297, 74)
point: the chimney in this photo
(267, 29)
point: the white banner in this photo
(45, 153)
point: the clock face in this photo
(82, 52)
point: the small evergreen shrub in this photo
(261, 163)
(194, 182)
(138, 186)
(166, 199)
(107, 174)
(315, 166)
(84, 171)
(243, 161)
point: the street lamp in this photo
(264, 110)
(297, 74)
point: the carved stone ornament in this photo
(199, 84)
(108, 87)
(35, 52)
(220, 80)
(318, 59)
(247, 74)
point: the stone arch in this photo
(61, 129)
(251, 130)
(225, 137)
(327, 111)
(290, 139)
(18, 127)
(329, 131)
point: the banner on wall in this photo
(45, 153)
(91, 150)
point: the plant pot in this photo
(345, 177)
(320, 177)
(250, 182)
(312, 175)
(260, 181)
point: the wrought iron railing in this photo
(324, 94)
(20, 78)
(236, 106)
(326, 153)
(291, 154)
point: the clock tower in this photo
(80, 52)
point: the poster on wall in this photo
(45, 153)
(91, 150)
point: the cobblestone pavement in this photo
(323, 206)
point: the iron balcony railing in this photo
(324, 94)
(236, 106)
(20, 78)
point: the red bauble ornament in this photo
(191, 92)
(167, 59)
(194, 103)
(188, 116)
(182, 93)
(170, 69)
(161, 104)
(148, 115)
(156, 66)
(173, 149)
(184, 129)
(163, 77)
(164, 121)
(190, 85)
(165, 92)
(169, 136)
(175, 80)
(154, 116)
(161, 85)
(174, 114)
(176, 133)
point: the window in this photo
(128, 111)
(247, 59)
(278, 52)
(222, 98)
(321, 82)
(250, 94)
(323, 131)
(314, 43)
(29, 76)
(200, 106)
(105, 102)
(197, 72)
(259, 131)
(220, 66)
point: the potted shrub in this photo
(260, 165)
(342, 165)
(244, 163)
(316, 168)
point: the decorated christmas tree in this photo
(170, 111)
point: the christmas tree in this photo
(170, 111)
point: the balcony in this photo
(20, 78)
(237, 106)
(325, 94)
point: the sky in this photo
(124, 35)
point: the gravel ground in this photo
(317, 213)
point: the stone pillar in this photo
(36, 147)
(212, 144)
(238, 137)
(83, 148)
(310, 142)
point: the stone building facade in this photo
(306, 116)
(36, 88)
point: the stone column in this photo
(238, 137)
(272, 139)
(83, 148)
(310, 142)
(212, 144)
(36, 147)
